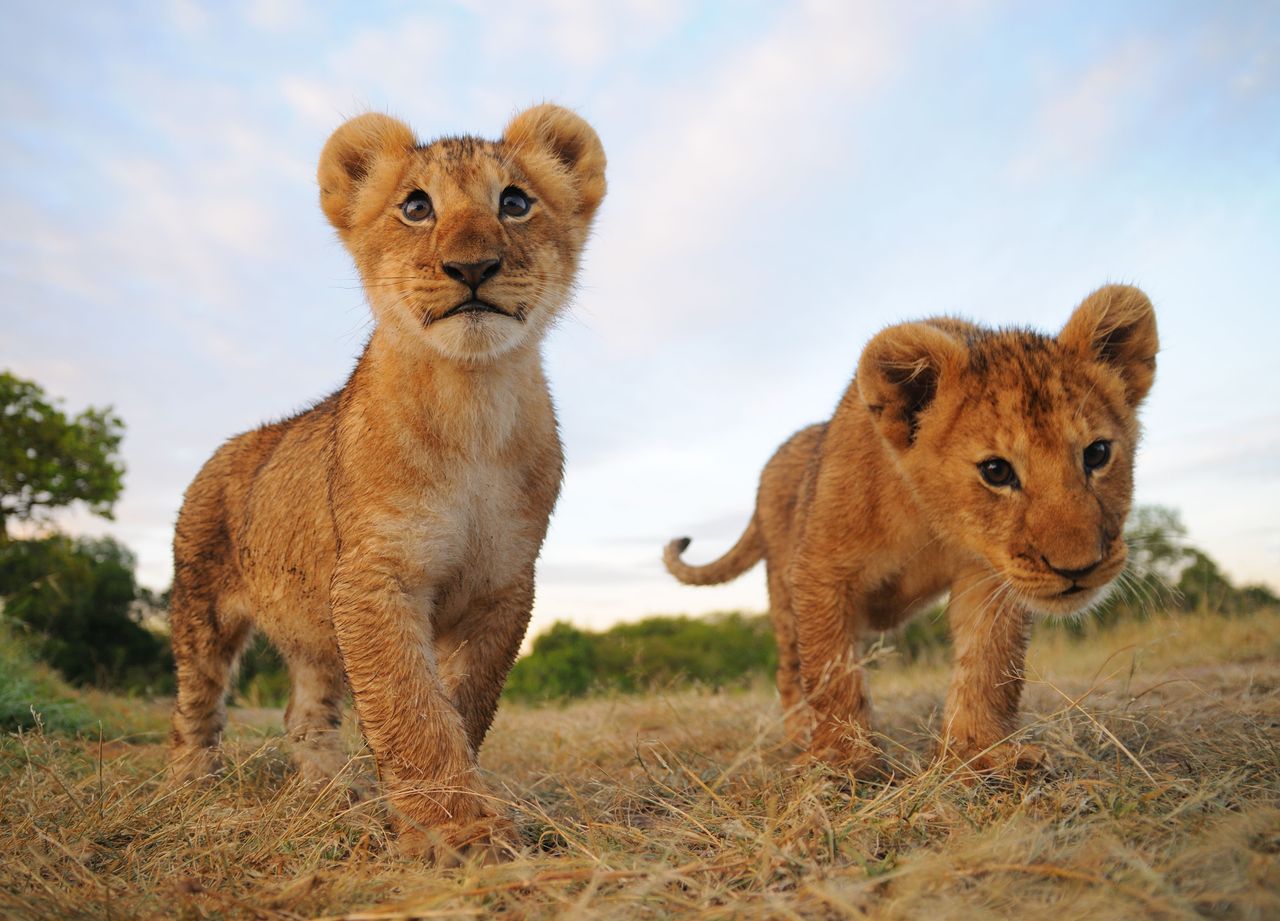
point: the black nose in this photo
(473, 274)
(1073, 574)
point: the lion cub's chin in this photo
(1069, 607)
(478, 338)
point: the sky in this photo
(785, 180)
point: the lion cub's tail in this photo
(744, 554)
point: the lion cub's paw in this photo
(192, 765)
(1004, 760)
(487, 840)
(860, 757)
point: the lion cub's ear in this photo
(1116, 325)
(349, 160)
(898, 376)
(565, 143)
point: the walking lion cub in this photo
(993, 464)
(385, 539)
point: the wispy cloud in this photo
(1087, 113)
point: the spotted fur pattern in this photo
(865, 519)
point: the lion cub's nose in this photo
(473, 274)
(1073, 574)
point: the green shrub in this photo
(720, 650)
(82, 612)
(263, 679)
(30, 688)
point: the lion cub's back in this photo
(259, 507)
(782, 486)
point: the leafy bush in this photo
(82, 611)
(720, 650)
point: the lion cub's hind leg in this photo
(207, 639)
(796, 712)
(314, 716)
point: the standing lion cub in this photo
(994, 464)
(385, 539)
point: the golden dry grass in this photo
(1163, 801)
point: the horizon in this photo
(800, 175)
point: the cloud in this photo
(1085, 113)
(629, 588)
(1244, 450)
(189, 16)
(581, 34)
(736, 144)
(275, 15)
(395, 68)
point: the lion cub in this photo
(993, 464)
(385, 539)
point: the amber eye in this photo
(1097, 455)
(998, 472)
(417, 207)
(514, 202)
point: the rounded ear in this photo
(570, 142)
(1116, 325)
(898, 376)
(349, 156)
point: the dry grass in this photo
(1163, 802)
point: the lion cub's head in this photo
(1020, 446)
(469, 245)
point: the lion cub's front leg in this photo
(989, 638)
(418, 738)
(833, 680)
(481, 653)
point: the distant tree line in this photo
(723, 649)
(75, 604)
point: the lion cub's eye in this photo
(417, 207)
(998, 472)
(514, 202)
(1097, 455)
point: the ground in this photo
(1162, 800)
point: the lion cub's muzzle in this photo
(1067, 591)
(473, 275)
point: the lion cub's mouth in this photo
(1070, 601)
(475, 305)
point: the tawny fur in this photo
(385, 539)
(865, 519)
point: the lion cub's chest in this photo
(469, 537)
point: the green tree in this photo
(1256, 596)
(1157, 541)
(77, 602)
(49, 460)
(1204, 588)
